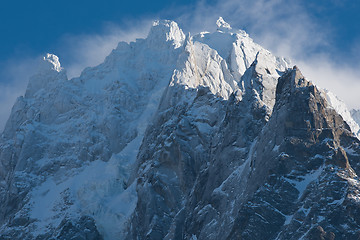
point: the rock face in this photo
(300, 177)
(173, 137)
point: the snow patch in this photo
(302, 184)
(96, 190)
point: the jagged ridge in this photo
(172, 137)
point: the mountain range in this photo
(205, 136)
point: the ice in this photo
(302, 184)
(288, 219)
(193, 237)
(276, 148)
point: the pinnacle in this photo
(166, 31)
(291, 80)
(50, 62)
(222, 25)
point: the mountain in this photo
(176, 136)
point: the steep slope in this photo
(179, 137)
(189, 131)
(218, 169)
(68, 146)
(301, 176)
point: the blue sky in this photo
(322, 37)
(33, 27)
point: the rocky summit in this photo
(175, 136)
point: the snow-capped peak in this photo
(166, 30)
(222, 25)
(50, 62)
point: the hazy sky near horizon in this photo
(322, 37)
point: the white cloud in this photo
(78, 51)
(81, 51)
(342, 80)
(17, 73)
(286, 29)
